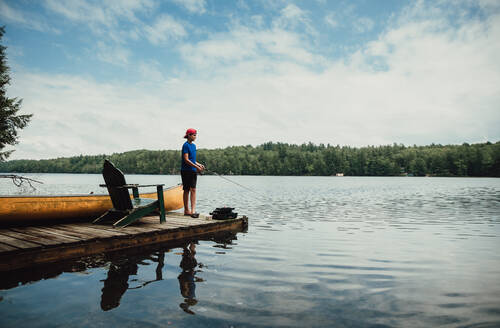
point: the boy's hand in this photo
(201, 167)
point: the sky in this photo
(104, 77)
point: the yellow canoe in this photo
(17, 209)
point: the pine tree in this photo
(10, 122)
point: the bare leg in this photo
(185, 198)
(193, 200)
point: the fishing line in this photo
(236, 183)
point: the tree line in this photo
(475, 160)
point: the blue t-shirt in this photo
(190, 149)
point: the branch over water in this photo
(20, 180)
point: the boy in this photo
(189, 170)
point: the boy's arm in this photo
(196, 165)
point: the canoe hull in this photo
(15, 209)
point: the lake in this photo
(319, 252)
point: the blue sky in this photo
(112, 76)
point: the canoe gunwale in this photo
(78, 195)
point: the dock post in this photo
(161, 203)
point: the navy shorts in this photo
(188, 179)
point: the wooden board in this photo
(91, 232)
(49, 233)
(7, 248)
(31, 238)
(18, 243)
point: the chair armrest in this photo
(120, 187)
(153, 185)
(130, 186)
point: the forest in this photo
(473, 160)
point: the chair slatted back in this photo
(114, 177)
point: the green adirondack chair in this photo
(125, 209)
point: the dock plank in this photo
(187, 221)
(94, 228)
(149, 221)
(139, 229)
(64, 233)
(48, 232)
(107, 227)
(135, 228)
(18, 243)
(175, 224)
(56, 239)
(28, 237)
(177, 214)
(161, 226)
(7, 248)
(89, 232)
(155, 221)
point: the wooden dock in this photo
(27, 246)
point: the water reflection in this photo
(116, 284)
(187, 278)
(122, 266)
(120, 270)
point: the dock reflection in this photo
(122, 266)
(116, 283)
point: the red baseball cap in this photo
(190, 131)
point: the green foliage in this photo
(286, 159)
(10, 122)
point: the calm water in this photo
(319, 251)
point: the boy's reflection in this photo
(187, 277)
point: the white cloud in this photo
(129, 8)
(75, 115)
(165, 28)
(193, 6)
(331, 21)
(110, 22)
(103, 18)
(257, 21)
(293, 17)
(292, 13)
(208, 52)
(115, 55)
(97, 13)
(12, 15)
(150, 71)
(80, 11)
(242, 5)
(363, 24)
(489, 4)
(249, 44)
